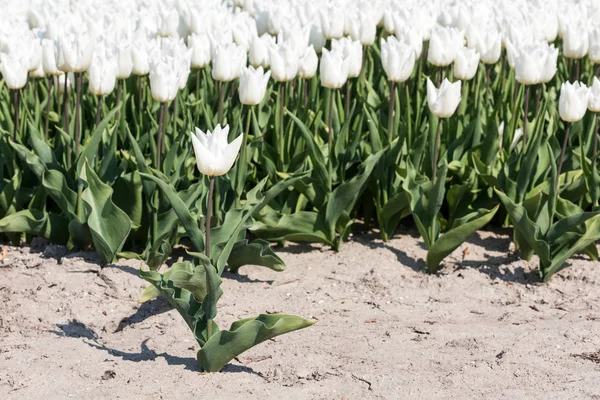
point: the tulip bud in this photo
(333, 69)
(573, 101)
(284, 63)
(528, 70)
(331, 23)
(549, 66)
(594, 50)
(214, 157)
(228, 62)
(316, 37)
(443, 101)
(308, 64)
(398, 59)
(594, 100)
(466, 63)
(75, 52)
(253, 85)
(489, 47)
(443, 46)
(49, 57)
(363, 29)
(410, 36)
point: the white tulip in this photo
(443, 101)
(550, 62)
(363, 29)
(352, 52)
(163, 79)
(75, 52)
(466, 63)
(316, 37)
(594, 100)
(14, 70)
(443, 46)
(200, 46)
(253, 85)
(124, 60)
(284, 62)
(258, 56)
(398, 59)
(489, 46)
(49, 57)
(528, 67)
(331, 23)
(59, 82)
(214, 157)
(102, 73)
(575, 41)
(228, 62)
(594, 49)
(333, 69)
(307, 67)
(412, 37)
(573, 101)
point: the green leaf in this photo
(315, 154)
(224, 346)
(38, 223)
(450, 241)
(109, 225)
(257, 252)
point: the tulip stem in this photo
(78, 82)
(391, 113)
(16, 101)
(48, 100)
(595, 147)
(281, 125)
(98, 110)
(305, 92)
(435, 149)
(221, 89)
(347, 109)
(117, 98)
(66, 115)
(160, 139)
(525, 116)
(140, 92)
(209, 206)
(562, 155)
(175, 115)
(330, 132)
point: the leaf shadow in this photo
(146, 310)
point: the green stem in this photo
(435, 149)
(391, 113)
(525, 116)
(211, 189)
(48, 101)
(78, 82)
(330, 142)
(281, 125)
(562, 156)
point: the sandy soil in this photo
(484, 327)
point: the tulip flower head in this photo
(398, 59)
(575, 41)
(333, 69)
(284, 62)
(253, 85)
(102, 73)
(466, 63)
(573, 101)
(307, 67)
(594, 49)
(443, 101)
(594, 100)
(214, 156)
(352, 52)
(443, 46)
(258, 56)
(227, 62)
(14, 70)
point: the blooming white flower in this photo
(398, 59)
(443, 101)
(466, 63)
(214, 156)
(594, 100)
(573, 101)
(333, 69)
(253, 85)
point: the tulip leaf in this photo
(257, 252)
(109, 225)
(37, 223)
(224, 346)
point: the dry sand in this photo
(482, 328)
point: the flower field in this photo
(138, 127)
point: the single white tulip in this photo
(363, 29)
(75, 51)
(253, 85)
(413, 37)
(550, 61)
(169, 23)
(331, 23)
(124, 60)
(333, 69)
(594, 100)
(528, 69)
(307, 66)
(284, 62)
(466, 63)
(489, 46)
(573, 101)
(594, 49)
(200, 46)
(443, 101)
(102, 74)
(258, 56)
(228, 62)
(316, 38)
(14, 70)
(352, 52)
(163, 79)
(398, 59)
(575, 41)
(443, 46)
(214, 157)
(49, 57)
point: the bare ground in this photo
(484, 327)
